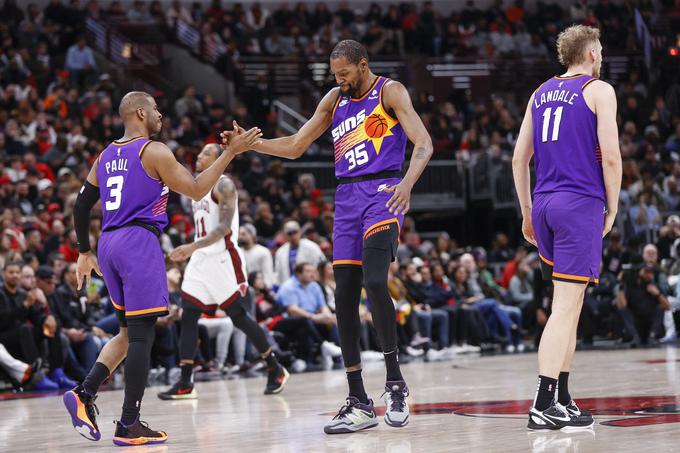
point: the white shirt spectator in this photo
(260, 259)
(307, 252)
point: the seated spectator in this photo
(295, 251)
(303, 299)
(419, 285)
(258, 257)
(77, 337)
(21, 339)
(642, 305)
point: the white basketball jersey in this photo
(207, 218)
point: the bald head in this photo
(132, 101)
(140, 114)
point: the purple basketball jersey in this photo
(127, 192)
(566, 151)
(357, 153)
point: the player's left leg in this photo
(130, 430)
(277, 375)
(379, 250)
(188, 339)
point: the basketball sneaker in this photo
(553, 417)
(179, 391)
(578, 419)
(138, 433)
(395, 396)
(353, 416)
(80, 406)
(276, 380)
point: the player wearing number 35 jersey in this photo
(570, 129)
(370, 117)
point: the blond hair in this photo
(572, 42)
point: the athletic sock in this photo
(95, 378)
(563, 396)
(545, 393)
(187, 377)
(271, 361)
(356, 386)
(392, 366)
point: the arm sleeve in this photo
(87, 197)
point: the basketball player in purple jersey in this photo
(133, 176)
(371, 118)
(570, 129)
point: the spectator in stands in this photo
(522, 286)
(72, 318)
(642, 305)
(303, 299)
(258, 257)
(645, 217)
(296, 250)
(80, 62)
(17, 308)
(188, 104)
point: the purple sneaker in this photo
(58, 376)
(80, 406)
(45, 384)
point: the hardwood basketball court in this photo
(466, 404)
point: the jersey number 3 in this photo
(556, 124)
(115, 184)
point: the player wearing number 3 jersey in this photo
(370, 118)
(132, 176)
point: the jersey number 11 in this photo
(556, 124)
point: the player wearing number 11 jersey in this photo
(370, 118)
(570, 129)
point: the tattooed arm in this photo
(225, 194)
(396, 97)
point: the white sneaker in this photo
(353, 416)
(331, 349)
(396, 393)
(414, 352)
(433, 355)
(455, 349)
(299, 366)
(470, 348)
(520, 347)
(372, 356)
(510, 348)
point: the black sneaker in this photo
(80, 406)
(578, 419)
(179, 391)
(137, 433)
(276, 380)
(551, 418)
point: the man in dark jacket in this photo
(25, 322)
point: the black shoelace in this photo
(344, 410)
(397, 400)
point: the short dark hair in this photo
(8, 264)
(300, 267)
(352, 50)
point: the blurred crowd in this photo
(58, 110)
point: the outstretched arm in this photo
(396, 97)
(294, 146)
(225, 193)
(524, 149)
(160, 163)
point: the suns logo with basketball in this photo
(373, 128)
